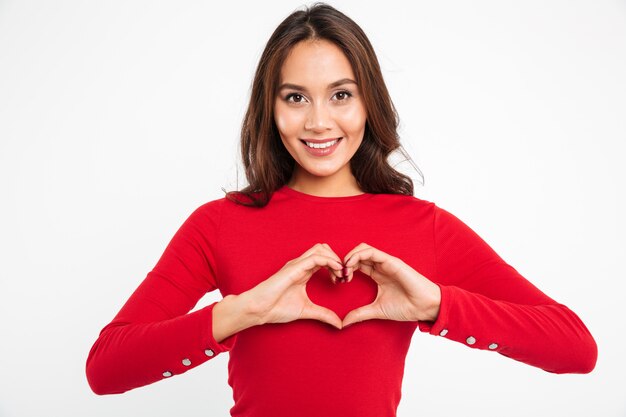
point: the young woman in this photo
(326, 261)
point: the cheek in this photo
(279, 120)
(286, 121)
(353, 119)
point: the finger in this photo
(321, 248)
(367, 254)
(357, 248)
(356, 263)
(324, 249)
(346, 275)
(334, 269)
(321, 260)
(366, 269)
(314, 262)
(367, 312)
(364, 266)
(323, 314)
(331, 252)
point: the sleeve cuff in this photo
(199, 348)
(226, 344)
(439, 326)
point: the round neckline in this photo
(320, 199)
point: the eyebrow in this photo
(330, 86)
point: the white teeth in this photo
(321, 145)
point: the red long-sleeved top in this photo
(306, 367)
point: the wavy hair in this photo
(268, 164)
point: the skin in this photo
(316, 111)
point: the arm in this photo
(153, 337)
(486, 304)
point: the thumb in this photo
(323, 314)
(367, 312)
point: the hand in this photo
(403, 293)
(283, 298)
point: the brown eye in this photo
(343, 95)
(297, 98)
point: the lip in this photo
(319, 140)
(325, 151)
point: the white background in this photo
(119, 118)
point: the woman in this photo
(326, 262)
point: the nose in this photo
(318, 118)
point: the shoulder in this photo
(406, 202)
(431, 207)
(207, 214)
(427, 211)
(217, 208)
(210, 207)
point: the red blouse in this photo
(307, 367)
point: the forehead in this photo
(315, 62)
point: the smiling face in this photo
(319, 101)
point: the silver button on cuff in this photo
(493, 346)
(470, 340)
(443, 332)
(209, 352)
(186, 362)
(167, 374)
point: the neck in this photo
(326, 187)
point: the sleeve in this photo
(154, 336)
(486, 304)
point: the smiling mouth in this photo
(321, 144)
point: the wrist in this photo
(231, 315)
(433, 306)
(245, 305)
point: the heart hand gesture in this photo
(403, 293)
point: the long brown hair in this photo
(267, 162)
